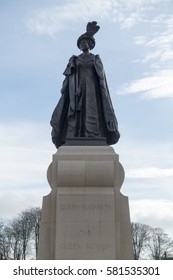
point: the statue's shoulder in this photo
(71, 62)
(95, 56)
(72, 58)
(98, 60)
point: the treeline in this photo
(151, 243)
(19, 238)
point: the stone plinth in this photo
(85, 216)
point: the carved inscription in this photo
(70, 246)
(86, 233)
(91, 246)
(88, 227)
(99, 207)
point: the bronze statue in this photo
(85, 108)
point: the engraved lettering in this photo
(86, 233)
(84, 207)
(98, 246)
(70, 246)
(90, 246)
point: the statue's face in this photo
(84, 45)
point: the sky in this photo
(135, 43)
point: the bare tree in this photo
(1, 240)
(25, 229)
(35, 214)
(5, 248)
(12, 236)
(160, 244)
(18, 235)
(140, 236)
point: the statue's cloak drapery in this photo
(66, 107)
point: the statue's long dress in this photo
(87, 120)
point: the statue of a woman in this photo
(85, 108)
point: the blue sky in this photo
(135, 43)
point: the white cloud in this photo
(167, 55)
(158, 54)
(148, 168)
(157, 85)
(131, 20)
(156, 213)
(146, 153)
(14, 202)
(24, 134)
(149, 172)
(25, 153)
(152, 56)
(145, 156)
(23, 166)
(158, 43)
(140, 40)
(160, 49)
(51, 20)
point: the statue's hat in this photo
(91, 29)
